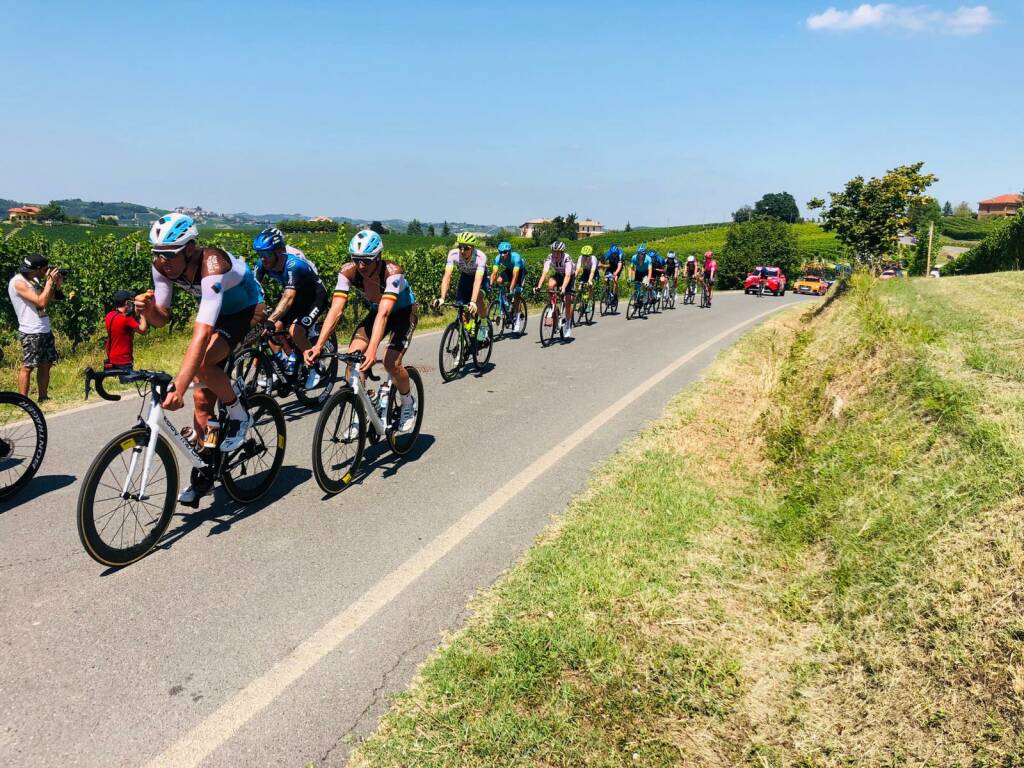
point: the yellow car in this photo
(811, 284)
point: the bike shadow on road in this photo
(380, 457)
(38, 486)
(223, 512)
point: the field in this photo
(827, 576)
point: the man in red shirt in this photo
(121, 329)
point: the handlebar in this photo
(355, 358)
(160, 382)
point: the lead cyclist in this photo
(230, 303)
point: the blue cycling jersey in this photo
(510, 262)
(641, 267)
(298, 272)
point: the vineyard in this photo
(1000, 251)
(967, 228)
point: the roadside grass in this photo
(815, 558)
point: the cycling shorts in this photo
(234, 327)
(506, 276)
(306, 309)
(464, 292)
(559, 278)
(400, 327)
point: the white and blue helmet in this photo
(366, 245)
(173, 229)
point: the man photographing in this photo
(122, 324)
(31, 291)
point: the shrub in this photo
(1001, 250)
(755, 243)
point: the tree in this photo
(414, 228)
(868, 215)
(923, 213)
(379, 228)
(52, 212)
(559, 228)
(743, 213)
(778, 205)
(431, 231)
(628, 228)
(445, 230)
(964, 209)
(947, 209)
(761, 242)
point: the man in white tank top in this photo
(31, 290)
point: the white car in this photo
(935, 272)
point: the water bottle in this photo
(382, 399)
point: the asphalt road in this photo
(272, 634)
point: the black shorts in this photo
(584, 276)
(507, 277)
(559, 278)
(401, 324)
(307, 309)
(233, 328)
(37, 348)
(670, 271)
(464, 292)
(709, 279)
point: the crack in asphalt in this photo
(375, 696)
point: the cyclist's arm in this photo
(544, 273)
(446, 280)
(333, 316)
(593, 270)
(211, 299)
(494, 273)
(158, 311)
(569, 276)
(478, 280)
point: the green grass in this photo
(826, 575)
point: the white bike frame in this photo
(158, 423)
(356, 382)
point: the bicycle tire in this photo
(402, 442)
(341, 475)
(549, 315)
(23, 443)
(264, 411)
(520, 304)
(496, 315)
(452, 344)
(91, 535)
(482, 349)
(327, 367)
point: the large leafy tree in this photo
(743, 213)
(778, 205)
(559, 228)
(414, 228)
(868, 215)
(762, 242)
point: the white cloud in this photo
(907, 18)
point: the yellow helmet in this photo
(466, 238)
(587, 250)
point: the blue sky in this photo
(652, 112)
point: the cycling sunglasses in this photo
(167, 253)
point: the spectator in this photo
(121, 329)
(31, 290)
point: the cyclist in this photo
(473, 283)
(613, 261)
(709, 270)
(384, 290)
(303, 296)
(560, 265)
(691, 270)
(671, 268)
(230, 302)
(657, 275)
(510, 270)
(586, 266)
(640, 267)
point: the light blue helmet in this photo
(173, 229)
(642, 249)
(366, 245)
(504, 246)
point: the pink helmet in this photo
(708, 254)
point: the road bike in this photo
(705, 294)
(652, 296)
(263, 370)
(22, 442)
(668, 294)
(583, 305)
(691, 290)
(354, 415)
(129, 494)
(609, 296)
(637, 306)
(459, 343)
(505, 315)
(551, 321)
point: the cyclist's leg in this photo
(400, 327)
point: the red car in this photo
(775, 281)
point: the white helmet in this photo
(366, 245)
(671, 254)
(691, 257)
(173, 229)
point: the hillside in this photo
(829, 575)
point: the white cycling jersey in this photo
(559, 266)
(477, 262)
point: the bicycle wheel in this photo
(326, 368)
(248, 472)
(402, 442)
(588, 307)
(632, 308)
(253, 369)
(519, 315)
(116, 523)
(482, 349)
(338, 441)
(548, 325)
(22, 442)
(451, 355)
(496, 315)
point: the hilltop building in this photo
(1004, 205)
(23, 213)
(584, 227)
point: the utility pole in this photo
(931, 232)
